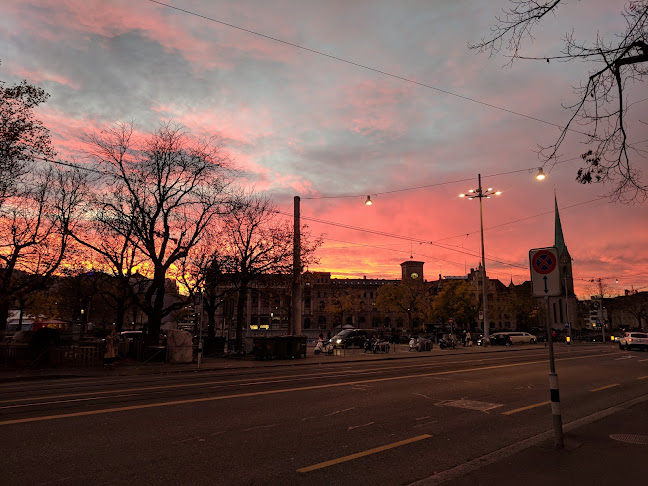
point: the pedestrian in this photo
(110, 352)
(463, 338)
(468, 340)
(328, 335)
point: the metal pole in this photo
(600, 312)
(567, 313)
(199, 317)
(553, 386)
(484, 291)
(296, 284)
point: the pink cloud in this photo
(37, 77)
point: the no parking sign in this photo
(545, 274)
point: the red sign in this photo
(544, 262)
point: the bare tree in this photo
(602, 103)
(255, 243)
(159, 193)
(23, 137)
(35, 224)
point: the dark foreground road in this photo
(376, 423)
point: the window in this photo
(321, 305)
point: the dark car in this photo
(501, 339)
(352, 338)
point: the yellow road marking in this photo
(245, 381)
(272, 392)
(357, 455)
(528, 407)
(642, 377)
(605, 387)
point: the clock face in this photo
(414, 275)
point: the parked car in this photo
(352, 338)
(522, 337)
(631, 340)
(499, 338)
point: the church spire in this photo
(559, 239)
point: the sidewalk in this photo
(608, 450)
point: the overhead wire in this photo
(369, 68)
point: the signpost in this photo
(545, 282)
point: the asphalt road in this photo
(378, 422)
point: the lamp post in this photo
(296, 277)
(480, 193)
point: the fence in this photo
(18, 354)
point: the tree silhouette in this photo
(602, 104)
(158, 194)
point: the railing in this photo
(79, 355)
(12, 354)
(18, 354)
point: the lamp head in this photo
(540, 175)
(368, 202)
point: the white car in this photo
(522, 337)
(631, 340)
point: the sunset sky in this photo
(322, 126)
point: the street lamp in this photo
(481, 193)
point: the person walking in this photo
(110, 353)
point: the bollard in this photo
(555, 409)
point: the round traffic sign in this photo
(544, 262)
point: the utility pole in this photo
(296, 281)
(600, 283)
(484, 290)
(567, 313)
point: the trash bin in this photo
(282, 347)
(296, 346)
(264, 348)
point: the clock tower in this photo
(412, 269)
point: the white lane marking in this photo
(470, 405)
(351, 427)
(260, 427)
(426, 423)
(338, 411)
(67, 401)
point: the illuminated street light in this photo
(540, 175)
(368, 202)
(480, 193)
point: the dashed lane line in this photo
(357, 455)
(528, 407)
(605, 387)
